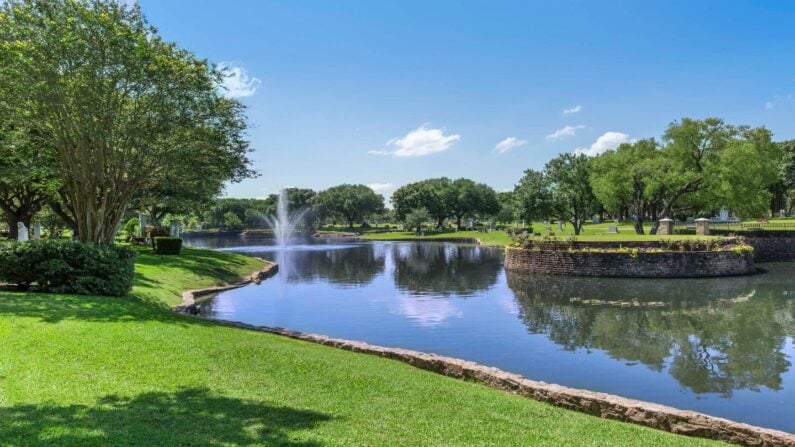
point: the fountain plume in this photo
(283, 223)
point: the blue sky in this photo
(389, 92)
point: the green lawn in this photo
(77, 370)
(591, 232)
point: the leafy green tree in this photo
(435, 195)
(353, 202)
(533, 197)
(232, 221)
(507, 212)
(569, 181)
(416, 219)
(695, 175)
(119, 107)
(469, 199)
(621, 178)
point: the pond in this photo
(719, 346)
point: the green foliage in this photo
(572, 197)
(124, 113)
(353, 202)
(232, 221)
(416, 219)
(167, 245)
(132, 227)
(533, 197)
(68, 266)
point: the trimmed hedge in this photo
(167, 245)
(68, 266)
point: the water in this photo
(719, 346)
(283, 223)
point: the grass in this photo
(81, 370)
(590, 232)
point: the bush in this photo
(68, 266)
(168, 245)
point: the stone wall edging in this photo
(190, 305)
(669, 264)
(608, 406)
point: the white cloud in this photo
(606, 142)
(420, 142)
(237, 82)
(777, 101)
(574, 109)
(564, 132)
(509, 144)
(380, 187)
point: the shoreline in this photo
(603, 405)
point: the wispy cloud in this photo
(421, 141)
(606, 142)
(573, 109)
(564, 132)
(509, 144)
(238, 83)
(777, 101)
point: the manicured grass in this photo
(501, 238)
(78, 370)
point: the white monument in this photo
(174, 230)
(36, 230)
(22, 232)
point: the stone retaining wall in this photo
(772, 249)
(642, 265)
(190, 305)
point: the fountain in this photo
(283, 223)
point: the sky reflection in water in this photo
(720, 346)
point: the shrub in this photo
(132, 227)
(168, 245)
(68, 266)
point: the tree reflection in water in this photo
(713, 335)
(445, 269)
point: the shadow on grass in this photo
(192, 416)
(52, 308)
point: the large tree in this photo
(699, 170)
(533, 197)
(434, 195)
(353, 202)
(119, 106)
(572, 197)
(470, 199)
(621, 178)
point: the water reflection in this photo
(721, 346)
(713, 336)
(445, 269)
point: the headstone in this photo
(560, 225)
(612, 229)
(141, 225)
(22, 232)
(666, 227)
(702, 227)
(36, 230)
(724, 215)
(174, 230)
(471, 223)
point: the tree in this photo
(507, 212)
(469, 199)
(569, 181)
(621, 178)
(232, 221)
(694, 172)
(119, 107)
(532, 196)
(27, 177)
(416, 219)
(435, 195)
(353, 202)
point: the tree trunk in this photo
(458, 221)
